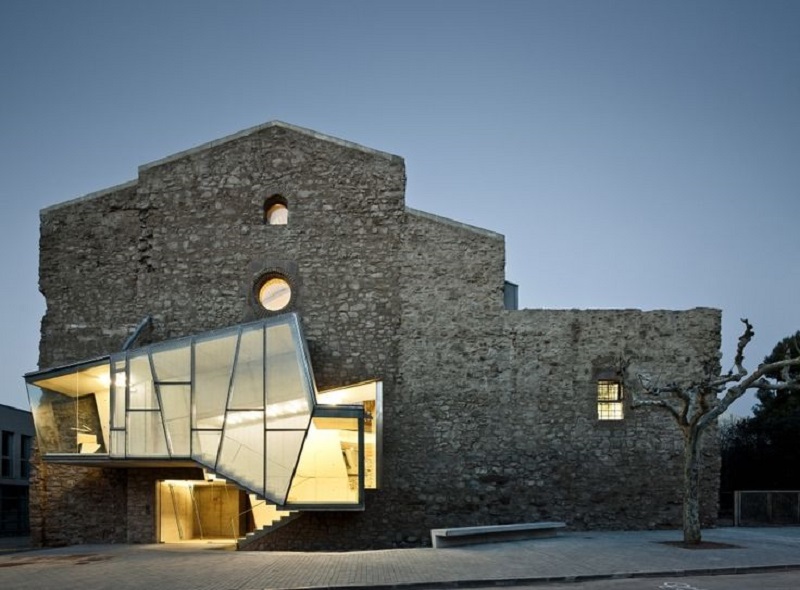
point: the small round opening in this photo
(275, 294)
(277, 214)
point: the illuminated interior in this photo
(201, 510)
(609, 400)
(240, 401)
(275, 294)
(72, 410)
(277, 214)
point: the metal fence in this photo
(766, 507)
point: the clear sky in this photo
(636, 154)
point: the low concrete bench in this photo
(471, 535)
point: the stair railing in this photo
(238, 517)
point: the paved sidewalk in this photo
(14, 544)
(568, 557)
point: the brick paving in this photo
(570, 556)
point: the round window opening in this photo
(275, 294)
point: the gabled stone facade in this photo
(489, 414)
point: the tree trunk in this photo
(691, 488)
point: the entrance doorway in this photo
(201, 511)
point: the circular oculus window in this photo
(275, 294)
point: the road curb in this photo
(538, 580)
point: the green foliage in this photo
(780, 404)
(763, 452)
(787, 348)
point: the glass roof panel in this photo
(205, 446)
(213, 370)
(176, 402)
(283, 452)
(173, 363)
(241, 456)
(288, 383)
(141, 392)
(247, 392)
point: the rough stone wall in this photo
(207, 243)
(606, 474)
(497, 409)
(489, 415)
(187, 242)
(73, 505)
(142, 504)
(88, 269)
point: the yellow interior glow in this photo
(275, 294)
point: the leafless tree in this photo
(696, 406)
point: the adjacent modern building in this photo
(16, 441)
(258, 337)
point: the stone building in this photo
(16, 442)
(300, 327)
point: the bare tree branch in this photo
(697, 405)
(660, 403)
(744, 340)
(785, 370)
(659, 394)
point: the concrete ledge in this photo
(471, 535)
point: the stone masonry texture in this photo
(489, 414)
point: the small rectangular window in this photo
(511, 296)
(25, 456)
(6, 463)
(609, 400)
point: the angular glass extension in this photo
(240, 402)
(71, 408)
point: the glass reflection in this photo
(242, 452)
(239, 401)
(213, 370)
(328, 470)
(369, 395)
(176, 404)
(72, 410)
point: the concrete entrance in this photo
(196, 510)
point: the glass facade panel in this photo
(173, 363)
(247, 392)
(328, 471)
(47, 433)
(283, 451)
(141, 393)
(118, 443)
(118, 381)
(370, 395)
(288, 387)
(205, 446)
(176, 404)
(146, 435)
(241, 456)
(212, 378)
(72, 410)
(204, 397)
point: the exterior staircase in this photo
(266, 515)
(267, 518)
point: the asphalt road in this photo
(789, 580)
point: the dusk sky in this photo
(635, 154)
